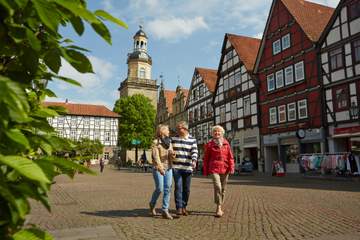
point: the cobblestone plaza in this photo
(114, 205)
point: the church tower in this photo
(139, 79)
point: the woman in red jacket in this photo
(219, 163)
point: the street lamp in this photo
(354, 111)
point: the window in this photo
(289, 78)
(190, 116)
(356, 49)
(291, 108)
(282, 113)
(196, 114)
(285, 41)
(73, 121)
(299, 71)
(201, 91)
(234, 111)
(73, 134)
(142, 73)
(302, 109)
(222, 114)
(97, 121)
(226, 84)
(272, 115)
(107, 136)
(247, 106)
(194, 93)
(279, 79)
(354, 10)
(202, 111)
(97, 134)
(60, 121)
(237, 78)
(209, 109)
(341, 98)
(231, 81)
(85, 134)
(270, 82)
(86, 121)
(276, 47)
(106, 155)
(336, 59)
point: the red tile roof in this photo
(84, 109)
(246, 47)
(169, 96)
(311, 17)
(209, 77)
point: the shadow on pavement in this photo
(140, 212)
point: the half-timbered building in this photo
(340, 68)
(199, 106)
(235, 100)
(87, 121)
(289, 89)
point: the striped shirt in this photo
(186, 152)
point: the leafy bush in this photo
(31, 49)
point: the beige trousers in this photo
(219, 181)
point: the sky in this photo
(182, 35)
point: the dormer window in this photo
(281, 44)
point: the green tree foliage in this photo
(31, 49)
(136, 121)
(86, 149)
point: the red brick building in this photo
(289, 88)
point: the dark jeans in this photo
(182, 180)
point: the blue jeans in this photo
(182, 180)
(162, 185)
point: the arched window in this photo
(142, 73)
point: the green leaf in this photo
(107, 16)
(47, 13)
(34, 42)
(32, 234)
(78, 9)
(44, 112)
(9, 5)
(78, 25)
(21, 3)
(19, 207)
(25, 167)
(77, 48)
(17, 136)
(68, 80)
(49, 93)
(53, 60)
(17, 33)
(78, 60)
(102, 30)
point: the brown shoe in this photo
(152, 210)
(184, 212)
(166, 215)
(179, 211)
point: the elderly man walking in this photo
(185, 161)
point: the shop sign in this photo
(347, 130)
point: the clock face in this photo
(300, 133)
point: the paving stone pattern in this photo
(114, 205)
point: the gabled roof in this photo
(169, 96)
(246, 47)
(83, 109)
(209, 77)
(311, 17)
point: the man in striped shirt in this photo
(186, 151)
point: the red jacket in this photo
(218, 160)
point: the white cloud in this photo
(175, 28)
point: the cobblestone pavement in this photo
(256, 207)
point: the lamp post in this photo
(354, 111)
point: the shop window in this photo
(276, 47)
(272, 115)
(299, 71)
(270, 82)
(302, 109)
(354, 10)
(341, 97)
(282, 113)
(336, 59)
(356, 50)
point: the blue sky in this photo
(183, 34)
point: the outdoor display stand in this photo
(278, 169)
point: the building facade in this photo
(235, 100)
(340, 75)
(139, 80)
(289, 89)
(199, 106)
(164, 105)
(88, 121)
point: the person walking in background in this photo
(219, 163)
(185, 161)
(162, 154)
(102, 164)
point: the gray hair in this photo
(218, 127)
(160, 129)
(183, 124)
